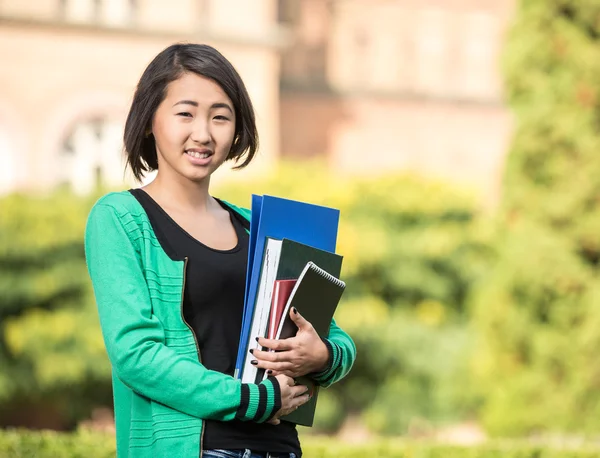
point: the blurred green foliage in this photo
(51, 352)
(538, 312)
(412, 250)
(83, 444)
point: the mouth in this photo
(199, 153)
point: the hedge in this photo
(85, 444)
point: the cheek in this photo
(166, 134)
(226, 138)
(158, 130)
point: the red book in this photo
(281, 293)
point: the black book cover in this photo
(315, 296)
(293, 258)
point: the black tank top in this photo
(213, 301)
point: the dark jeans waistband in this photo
(218, 453)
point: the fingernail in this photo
(257, 339)
(269, 372)
(254, 362)
(252, 351)
(294, 310)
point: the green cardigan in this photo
(162, 392)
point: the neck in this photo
(181, 193)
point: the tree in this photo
(539, 311)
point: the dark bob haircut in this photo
(168, 66)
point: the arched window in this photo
(92, 156)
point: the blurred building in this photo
(372, 85)
(69, 68)
(381, 85)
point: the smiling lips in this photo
(199, 153)
(199, 157)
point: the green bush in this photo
(27, 444)
(51, 352)
(537, 312)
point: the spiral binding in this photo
(339, 283)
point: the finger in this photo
(290, 373)
(300, 321)
(299, 391)
(276, 344)
(271, 355)
(282, 367)
(301, 400)
(274, 373)
(274, 421)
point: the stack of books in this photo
(291, 263)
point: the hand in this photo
(296, 356)
(292, 397)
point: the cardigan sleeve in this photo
(342, 354)
(135, 338)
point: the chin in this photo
(197, 177)
(200, 175)
(196, 174)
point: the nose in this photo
(201, 132)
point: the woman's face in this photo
(193, 127)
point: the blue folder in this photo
(280, 218)
(256, 208)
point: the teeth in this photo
(198, 155)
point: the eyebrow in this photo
(214, 105)
(186, 102)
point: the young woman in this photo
(168, 266)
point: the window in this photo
(432, 38)
(106, 12)
(91, 156)
(478, 53)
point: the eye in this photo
(221, 118)
(185, 114)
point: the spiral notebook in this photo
(316, 295)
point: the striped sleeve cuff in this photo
(333, 363)
(259, 402)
